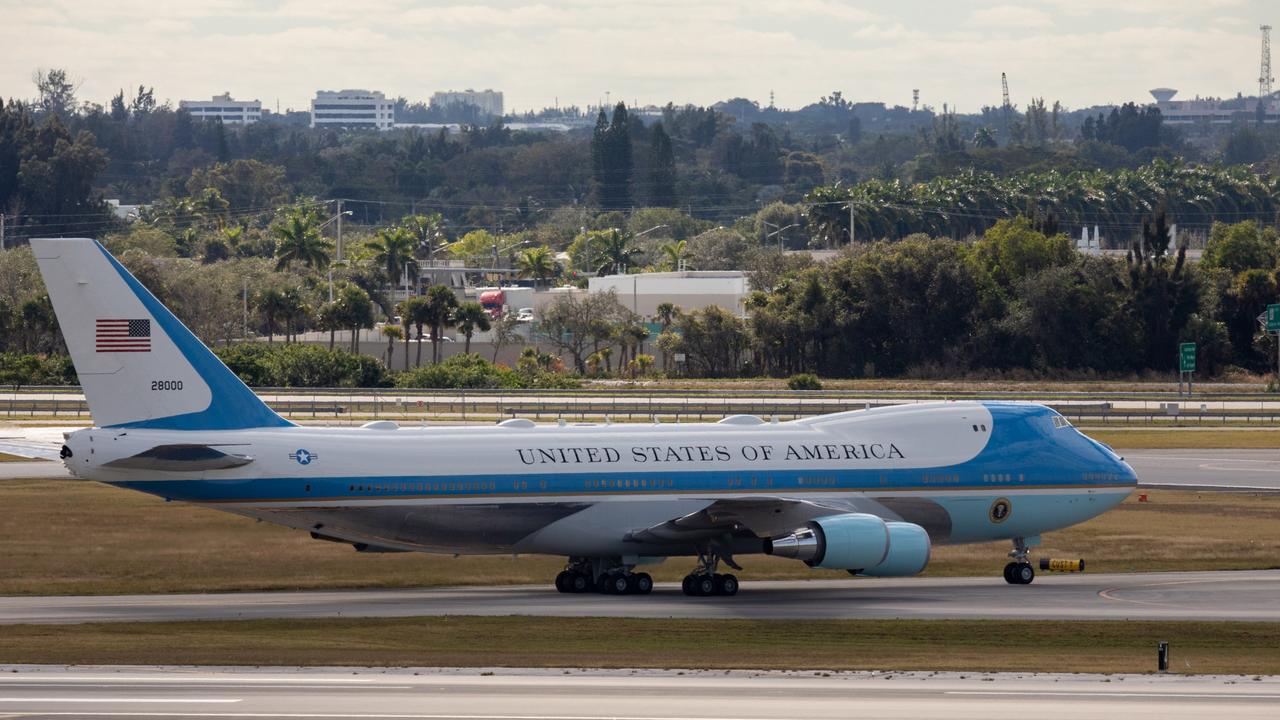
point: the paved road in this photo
(1210, 469)
(439, 694)
(1253, 595)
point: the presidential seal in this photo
(1000, 510)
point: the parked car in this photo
(525, 314)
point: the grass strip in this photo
(66, 537)
(988, 645)
(1148, 439)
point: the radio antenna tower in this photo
(1264, 78)
(915, 99)
(1008, 109)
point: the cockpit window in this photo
(1060, 422)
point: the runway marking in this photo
(1212, 466)
(174, 701)
(1107, 695)
(1107, 593)
(219, 684)
(393, 716)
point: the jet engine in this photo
(861, 543)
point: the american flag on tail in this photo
(123, 335)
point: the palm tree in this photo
(393, 252)
(272, 304)
(665, 315)
(406, 323)
(415, 311)
(674, 252)
(293, 310)
(537, 263)
(392, 333)
(330, 318)
(617, 252)
(470, 317)
(441, 303)
(298, 240)
(427, 232)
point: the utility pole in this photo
(2, 245)
(244, 299)
(339, 231)
(851, 223)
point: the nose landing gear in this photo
(1019, 571)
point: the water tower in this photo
(1163, 95)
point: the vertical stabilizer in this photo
(138, 364)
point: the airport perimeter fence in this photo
(344, 406)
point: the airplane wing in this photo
(30, 449)
(773, 516)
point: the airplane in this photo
(869, 491)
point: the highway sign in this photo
(1273, 318)
(1187, 357)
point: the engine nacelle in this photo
(909, 549)
(854, 541)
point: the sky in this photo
(583, 52)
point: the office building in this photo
(352, 109)
(489, 102)
(222, 107)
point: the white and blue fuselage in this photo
(868, 491)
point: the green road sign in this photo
(1273, 318)
(1187, 357)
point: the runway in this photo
(506, 694)
(1206, 469)
(1244, 595)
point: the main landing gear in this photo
(591, 575)
(704, 581)
(1019, 571)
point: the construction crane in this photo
(1264, 77)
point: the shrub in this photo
(473, 371)
(302, 366)
(804, 381)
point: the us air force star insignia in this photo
(1000, 510)
(303, 456)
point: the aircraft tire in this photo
(686, 585)
(1008, 573)
(617, 584)
(578, 583)
(726, 585)
(562, 581)
(1024, 574)
(704, 585)
(641, 584)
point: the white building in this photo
(489, 101)
(237, 112)
(1213, 111)
(352, 109)
(689, 290)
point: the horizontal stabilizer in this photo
(180, 458)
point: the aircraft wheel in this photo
(726, 585)
(686, 585)
(578, 583)
(641, 584)
(704, 585)
(1008, 573)
(1024, 574)
(562, 581)
(617, 584)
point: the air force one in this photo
(869, 491)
